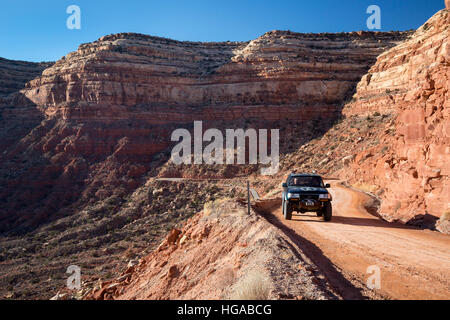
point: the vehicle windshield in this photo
(306, 181)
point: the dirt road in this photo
(413, 263)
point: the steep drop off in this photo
(243, 255)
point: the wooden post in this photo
(248, 197)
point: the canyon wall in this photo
(14, 74)
(102, 116)
(279, 75)
(411, 162)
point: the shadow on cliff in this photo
(48, 172)
(18, 116)
(17, 73)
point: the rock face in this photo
(14, 74)
(276, 76)
(18, 115)
(410, 81)
(101, 114)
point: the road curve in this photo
(413, 263)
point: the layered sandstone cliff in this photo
(276, 76)
(104, 111)
(411, 163)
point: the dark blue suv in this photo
(306, 192)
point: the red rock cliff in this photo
(276, 76)
(410, 81)
(102, 112)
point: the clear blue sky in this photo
(35, 30)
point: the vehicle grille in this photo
(309, 196)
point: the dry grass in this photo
(212, 208)
(365, 187)
(254, 286)
(445, 216)
(208, 208)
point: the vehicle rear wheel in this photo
(287, 210)
(327, 211)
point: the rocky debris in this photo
(348, 159)
(173, 272)
(124, 277)
(132, 263)
(226, 246)
(60, 296)
(173, 236)
(9, 295)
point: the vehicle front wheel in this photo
(327, 211)
(287, 210)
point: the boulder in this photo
(173, 236)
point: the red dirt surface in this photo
(414, 264)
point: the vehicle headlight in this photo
(293, 195)
(325, 196)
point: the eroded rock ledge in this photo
(410, 165)
(279, 75)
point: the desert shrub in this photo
(254, 286)
(445, 216)
(365, 187)
(215, 206)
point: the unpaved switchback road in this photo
(413, 263)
